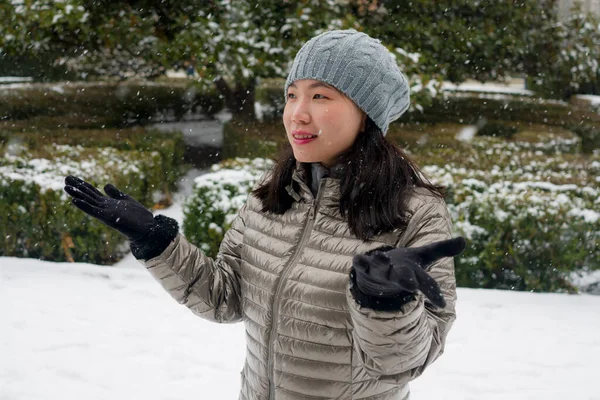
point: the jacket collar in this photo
(329, 184)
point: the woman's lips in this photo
(303, 140)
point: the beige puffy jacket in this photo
(287, 278)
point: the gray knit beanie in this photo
(358, 66)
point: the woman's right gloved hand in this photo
(389, 272)
(117, 210)
(149, 236)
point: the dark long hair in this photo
(385, 176)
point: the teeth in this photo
(304, 136)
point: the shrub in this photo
(524, 235)
(570, 50)
(170, 147)
(216, 199)
(519, 112)
(108, 104)
(38, 223)
(37, 219)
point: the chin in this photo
(306, 158)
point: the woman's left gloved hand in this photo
(390, 273)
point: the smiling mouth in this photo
(304, 137)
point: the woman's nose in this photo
(301, 114)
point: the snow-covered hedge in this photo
(217, 197)
(531, 213)
(37, 219)
(526, 235)
(530, 208)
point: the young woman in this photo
(340, 262)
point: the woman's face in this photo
(325, 114)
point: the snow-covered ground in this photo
(81, 331)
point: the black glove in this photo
(148, 235)
(118, 211)
(388, 274)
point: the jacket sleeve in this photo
(210, 288)
(397, 346)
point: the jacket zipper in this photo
(284, 274)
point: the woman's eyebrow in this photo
(314, 85)
(319, 84)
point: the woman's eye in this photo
(316, 96)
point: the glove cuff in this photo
(388, 303)
(162, 233)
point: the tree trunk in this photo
(239, 100)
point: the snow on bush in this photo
(217, 197)
(38, 220)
